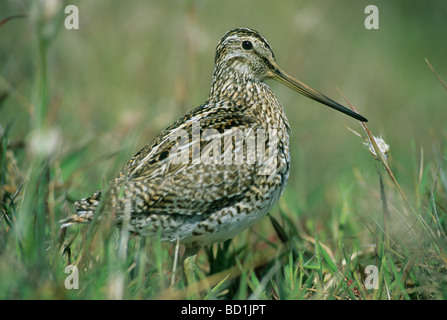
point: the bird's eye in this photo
(247, 45)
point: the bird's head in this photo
(245, 53)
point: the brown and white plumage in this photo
(201, 203)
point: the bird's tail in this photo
(85, 209)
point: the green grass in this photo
(75, 105)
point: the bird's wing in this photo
(159, 181)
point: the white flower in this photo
(383, 147)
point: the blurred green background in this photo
(134, 67)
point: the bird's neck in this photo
(235, 85)
(249, 95)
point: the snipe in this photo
(203, 179)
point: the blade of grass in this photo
(434, 72)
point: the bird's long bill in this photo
(281, 76)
